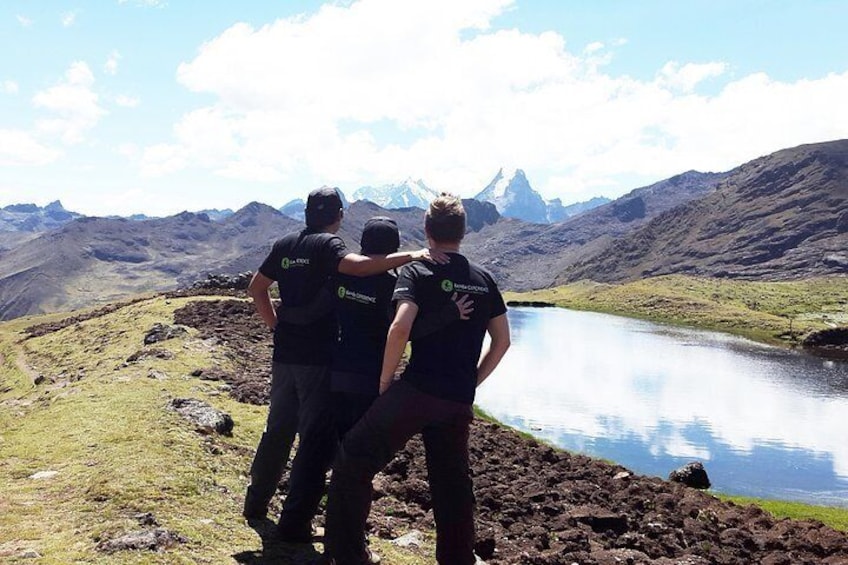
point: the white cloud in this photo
(127, 101)
(593, 47)
(111, 65)
(73, 104)
(24, 20)
(312, 97)
(9, 87)
(20, 148)
(68, 19)
(687, 77)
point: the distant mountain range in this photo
(512, 196)
(21, 222)
(781, 216)
(32, 218)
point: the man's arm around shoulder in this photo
(498, 329)
(365, 265)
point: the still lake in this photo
(765, 421)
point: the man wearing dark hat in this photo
(301, 264)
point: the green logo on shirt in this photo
(447, 285)
(341, 292)
(285, 263)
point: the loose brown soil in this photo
(538, 505)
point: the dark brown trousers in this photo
(392, 420)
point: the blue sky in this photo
(123, 106)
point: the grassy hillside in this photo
(116, 458)
(102, 425)
(773, 312)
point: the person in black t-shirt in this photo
(301, 264)
(433, 396)
(364, 308)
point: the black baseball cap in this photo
(322, 206)
(380, 236)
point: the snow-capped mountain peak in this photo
(406, 194)
(513, 196)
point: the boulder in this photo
(206, 418)
(692, 475)
(158, 539)
(161, 332)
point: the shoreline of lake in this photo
(682, 422)
(772, 312)
(833, 516)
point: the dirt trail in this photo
(537, 505)
(22, 365)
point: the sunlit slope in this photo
(102, 425)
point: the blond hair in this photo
(445, 219)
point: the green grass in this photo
(104, 427)
(772, 312)
(836, 518)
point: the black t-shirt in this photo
(363, 310)
(302, 264)
(444, 363)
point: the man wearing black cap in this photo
(301, 264)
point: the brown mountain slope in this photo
(782, 216)
(526, 256)
(92, 260)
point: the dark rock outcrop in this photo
(692, 475)
(223, 281)
(158, 539)
(828, 343)
(162, 332)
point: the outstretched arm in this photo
(258, 289)
(498, 329)
(366, 265)
(396, 341)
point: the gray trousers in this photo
(300, 403)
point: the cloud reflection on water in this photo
(613, 386)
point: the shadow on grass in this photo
(274, 551)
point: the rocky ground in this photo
(538, 505)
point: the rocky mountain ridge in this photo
(781, 216)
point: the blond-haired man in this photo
(433, 397)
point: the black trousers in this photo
(392, 420)
(349, 407)
(300, 403)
